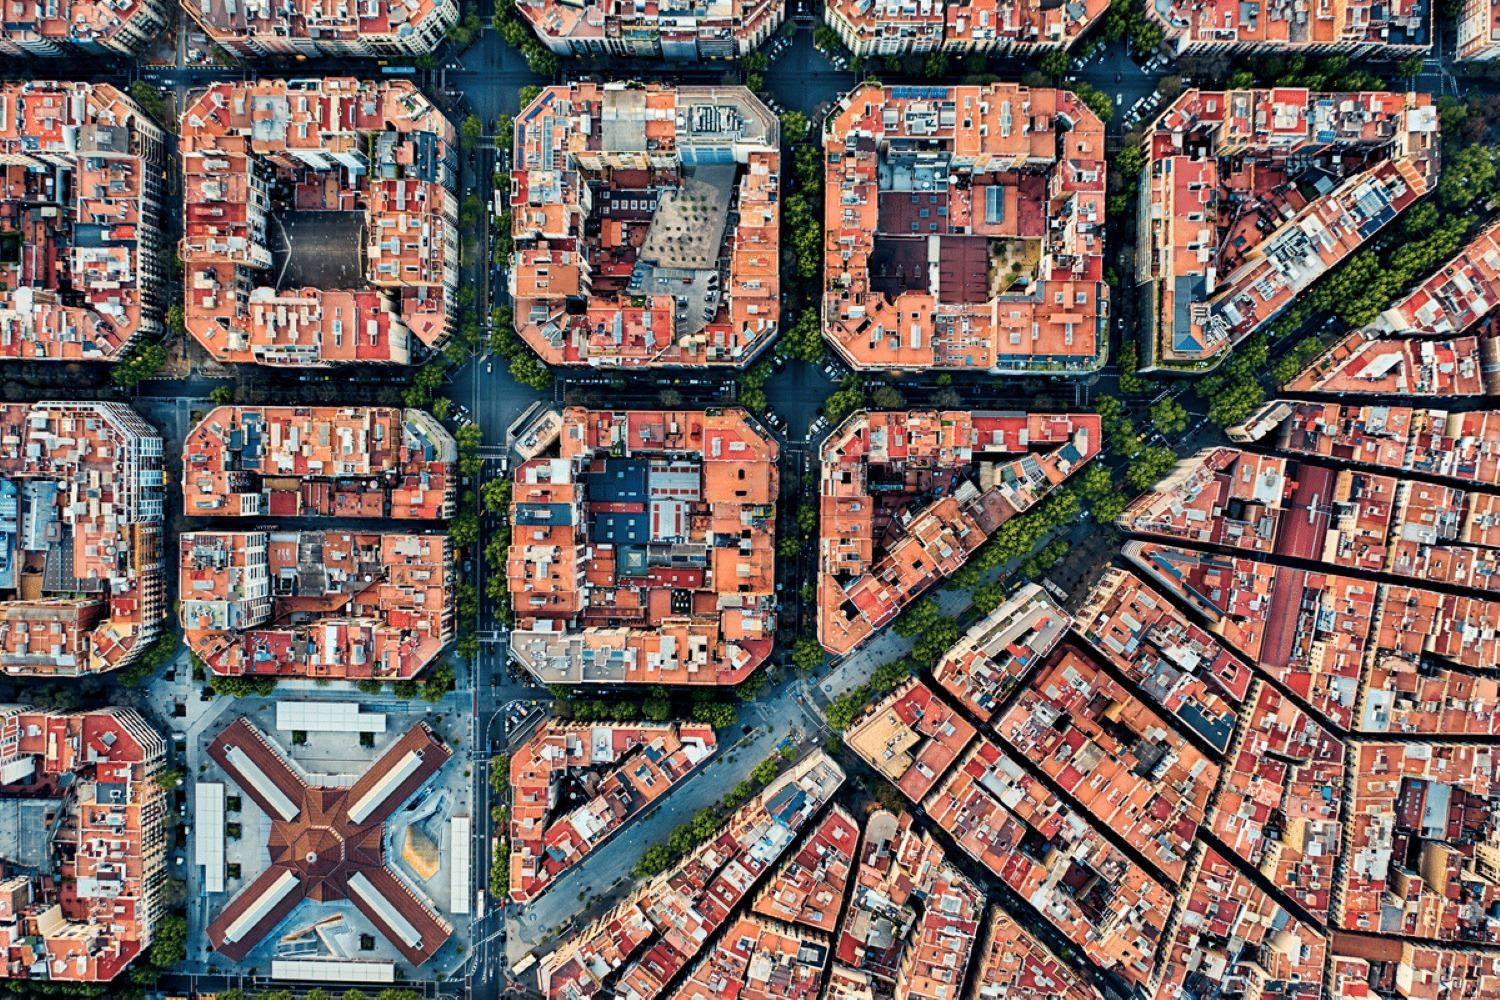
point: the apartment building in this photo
(1463, 447)
(1239, 499)
(346, 605)
(1231, 934)
(1284, 763)
(1363, 964)
(326, 843)
(874, 28)
(1429, 343)
(36, 28)
(319, 461)
(1316, 631)
(712, 29)
(645, 225)
(999, 650)
(907, 497)
(911, 737)
(84, 844)
(312, 28)
(758, 959)
(663, 926)
(1348, 518)
(349, 183)
(808, 889)
(1367, 363)
(936, 960)
(643, 549)
(1250, 196)
(1420, 854)
(1454, 297)
(1124, 765)
(1310, 630)
(1154, 645)
(1478, 31)
(82, 570)
(1351, 27)
(991, 806)
(898, 868)
(83, 259)
(572, 787)
(964, 228)
(1014, 964)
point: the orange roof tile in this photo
(87, 908)
(671, 277)
(964, 228)
(255, 152)
(82, 280)
(642, 551)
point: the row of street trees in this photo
(706, 822)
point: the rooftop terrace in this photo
(964, 228)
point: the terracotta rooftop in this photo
(658, 931)
(264, 159)
(937, 958)
(809, 888)
(896, 867)
(645, 224)
(908, 496)
(643, 549)
(759, 960)
(44, 28)
(1120, 761)
(1232, 934)
(326, 843)
(1109, 907)
(1367, 364)
(1183, 668)
(324, 27)
(83, 838)
(1014, 964)
(302, 461)
(1355, 27)
(1410, 970)
(901, 27)
(83, 261)
(336, 604)
(1464, 447)
(707, 29)
(1479, 30)
(572, 787)
(1419, 851)
(1249, 196)
(999, 650)
(911, 737)
(1310, 630)
(1280, 804)
(964, 228)
(1237, 499)
(82, 586)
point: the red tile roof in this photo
(1022, 169)
(331, 846)
(642, 551)
(572, 787)
(88, 907)
(946, 481)
(304, 461)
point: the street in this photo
(497, 696)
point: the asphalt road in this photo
(605, 873)
(486, 79)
